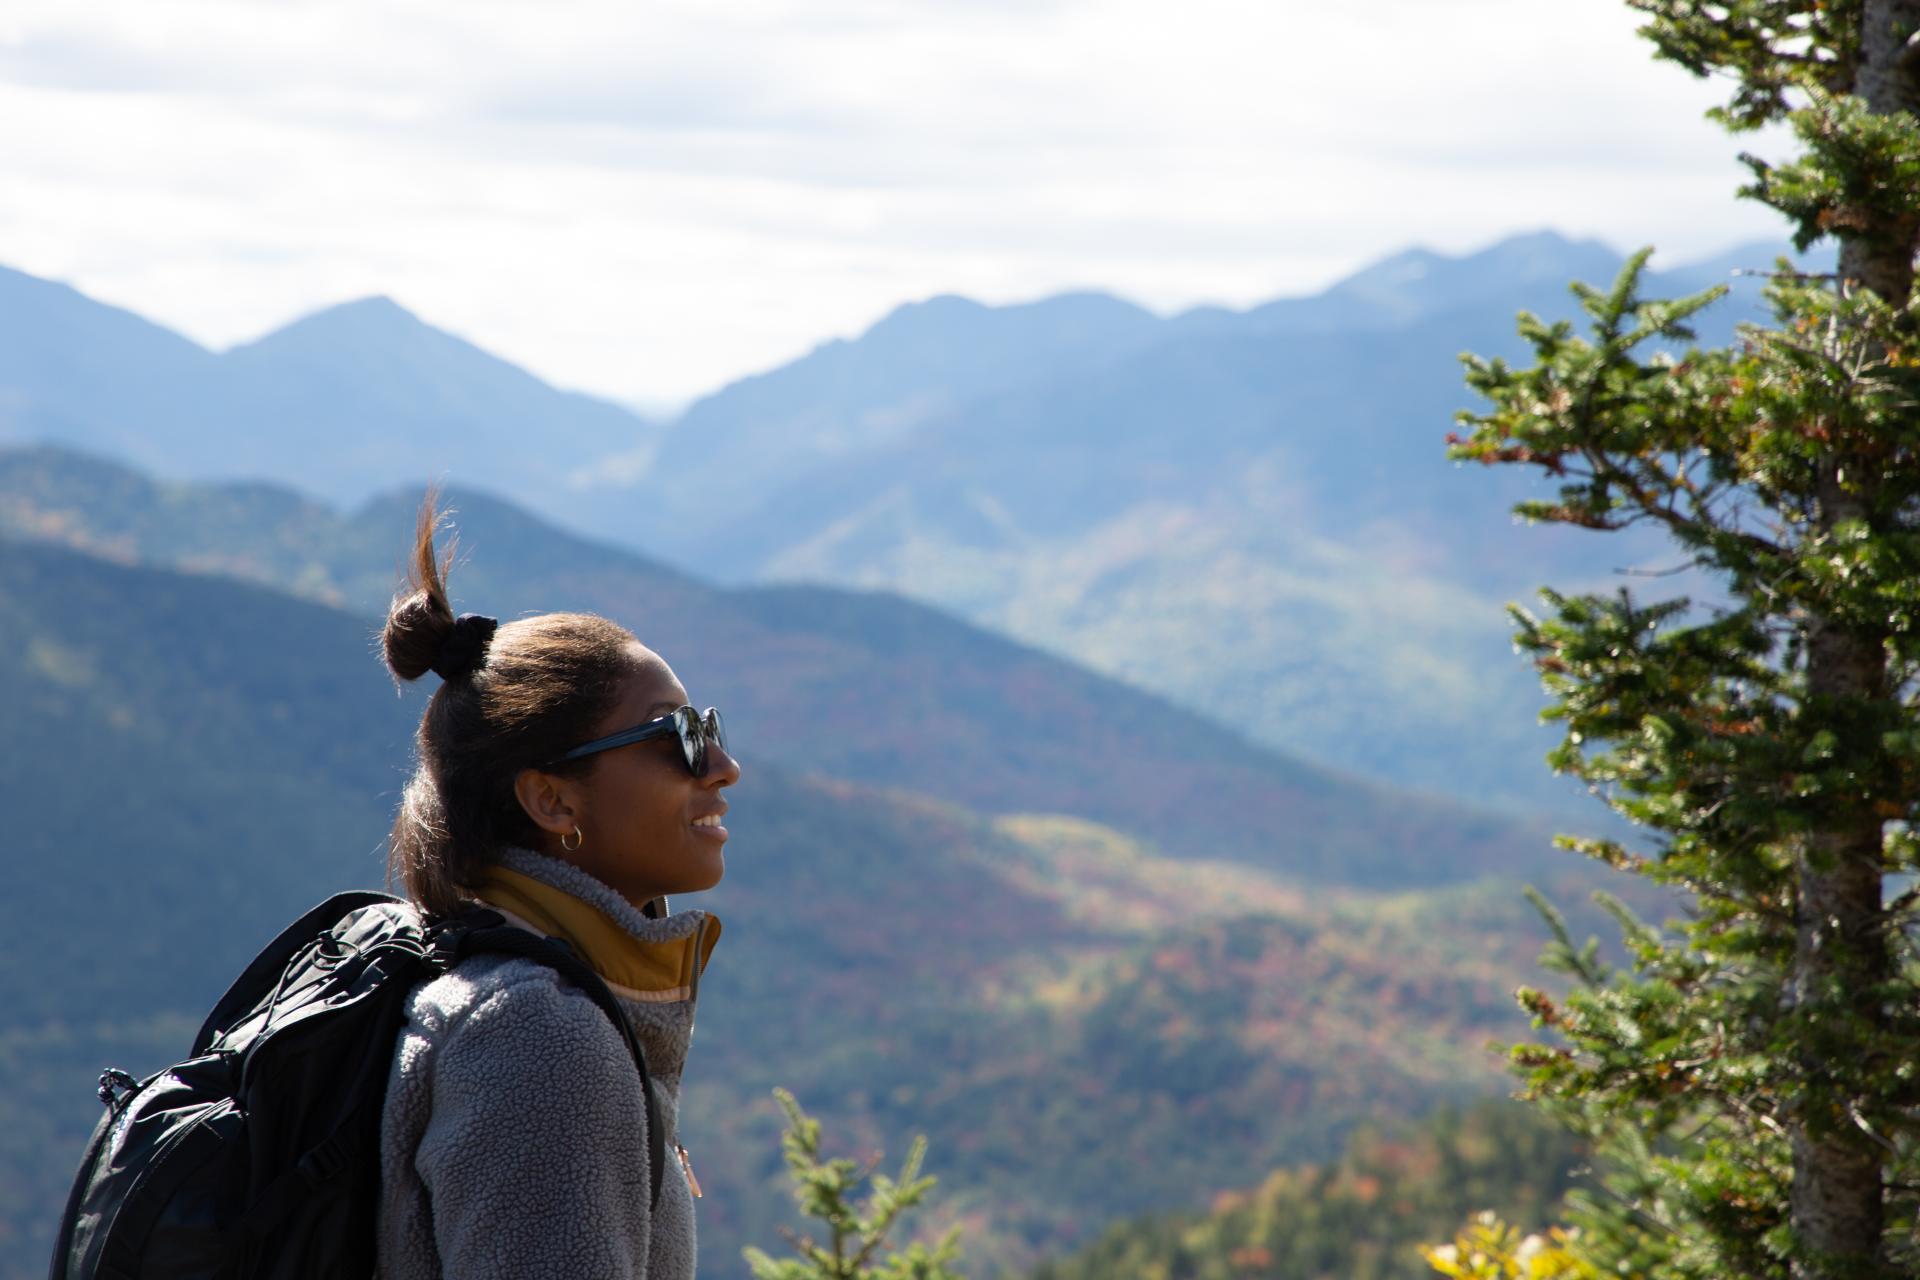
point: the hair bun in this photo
(465, 647)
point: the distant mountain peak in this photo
(1417, 280)
(376, 313)
(944, 309)
(1544, 250)
(1527, 253)
(1545, 237)
(354, 329)
(34, 308)
(1408, 264)
(937, 309)
(375, 304)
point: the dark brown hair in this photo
(543, 684)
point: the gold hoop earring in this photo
(578, 840)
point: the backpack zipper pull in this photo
(113, 1079)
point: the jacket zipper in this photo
(699, 937)
(693, 998)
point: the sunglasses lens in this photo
(696, 731)
(692, 749)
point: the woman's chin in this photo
(719, 871)
(706, 870)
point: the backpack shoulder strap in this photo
(504, 939)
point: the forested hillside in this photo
(862, 685)
(1361, 1216)
(205, 757)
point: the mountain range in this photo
(1251, 513)
(1248, 512)
(349, 400)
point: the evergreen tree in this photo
(1753, 1074)
(856, 1233)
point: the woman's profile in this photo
(563, 780)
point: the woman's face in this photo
(636, 806)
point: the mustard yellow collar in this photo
(651, 970)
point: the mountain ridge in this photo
(1253, 516)
(342, 400)
(1045, 477)
(877, 667)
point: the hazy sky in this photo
(647, 198)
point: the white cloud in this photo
(645, 200)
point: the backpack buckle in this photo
(445, 938)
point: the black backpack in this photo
(258, 1156)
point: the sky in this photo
(647, 200)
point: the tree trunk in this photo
(1841, 955)
(1888, 80)
(1841, 960)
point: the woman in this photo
(563, 780)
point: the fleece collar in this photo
(654, 961)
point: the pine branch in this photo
(823, 1189)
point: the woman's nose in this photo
(722, 768)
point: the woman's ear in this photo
(548, 800)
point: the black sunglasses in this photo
(696, 730)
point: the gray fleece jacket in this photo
(514, 1143)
